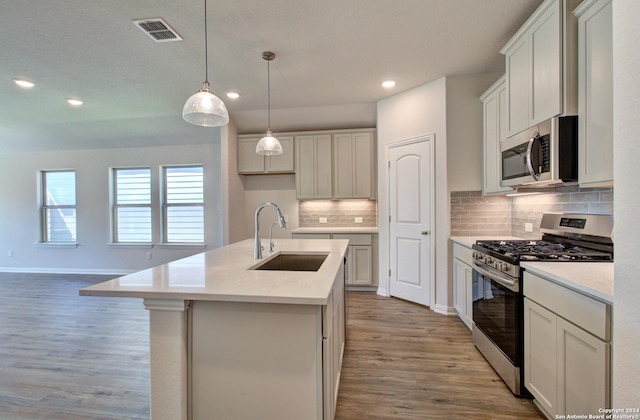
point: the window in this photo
(131, 205)
(183, 204)
(58, 211)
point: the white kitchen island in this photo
(231, 342)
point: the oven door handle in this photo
(509, 284)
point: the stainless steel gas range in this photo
(498, 313)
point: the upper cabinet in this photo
(541, 61)
(249, 162)
(313, 167)
(494, 111)
(353, 165)
(595, 93)
(335, 165)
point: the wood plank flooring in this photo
(63, 356)
(404, 361)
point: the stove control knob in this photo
(498, 265)
(506, 267)
(488, 260)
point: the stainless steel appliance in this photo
(498, 314)
(545, 154)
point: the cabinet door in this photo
(249, 162)
(583, 371)
(353, 165)
(595, 93)
(284, 162)
(518, 68)
(459, 289)
(305, 167)
(360, 266)
(540, 355)
(323, 166)
(545, 38)
(495, 122)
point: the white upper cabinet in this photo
(494, 111)
(595, 93)
(353, 165)
(541, 66)
(314, 167)
(335, 165)
(249, 162)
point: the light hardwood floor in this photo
(63, 356)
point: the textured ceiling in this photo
(332, 56)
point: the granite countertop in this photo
(594, 279)
(224, 274)
(335, 230)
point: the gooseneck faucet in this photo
(257, 248)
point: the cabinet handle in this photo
(425, 232)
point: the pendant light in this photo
(268, 145)
(204, 108)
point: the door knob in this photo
(425, 232)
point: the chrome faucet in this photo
(257, 248)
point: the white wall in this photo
(414, 113)
(450, 109)
(233, 199)
(464, 130)
(19, 227)
(626, 120)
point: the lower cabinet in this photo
(362, 266)
(567, 349)
(463, 283)
(265, 360)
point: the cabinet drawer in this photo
(462, 253)
(354, 238)
(587, 313)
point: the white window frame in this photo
(115, 239)
(166, 206)
(45, 208)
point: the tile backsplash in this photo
(475, 215)
(342, 213)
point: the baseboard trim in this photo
(383, 292)
(445, 310)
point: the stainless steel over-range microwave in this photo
(545, 154)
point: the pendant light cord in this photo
(268, 97)
(206, 46)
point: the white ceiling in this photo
(332, 56)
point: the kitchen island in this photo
(229, 341)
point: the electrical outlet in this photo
(10, 253)
(528, 227)
(358, 220)
(322, 220)
(149, 255)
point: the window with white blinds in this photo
(58, 206)
(132, 205)
(183, 204)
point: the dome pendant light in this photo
(268, 145)
(204, 108)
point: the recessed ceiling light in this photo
(74, 101)
(233, 95)
(388, 84)
(27, 84)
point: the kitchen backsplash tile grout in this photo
(473, 214)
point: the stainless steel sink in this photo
(293, 262)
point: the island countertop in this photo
(225, 274)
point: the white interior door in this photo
(410, 232)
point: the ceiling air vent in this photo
(158, 30)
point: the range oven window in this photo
(495, 312)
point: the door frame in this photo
(384, 281)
